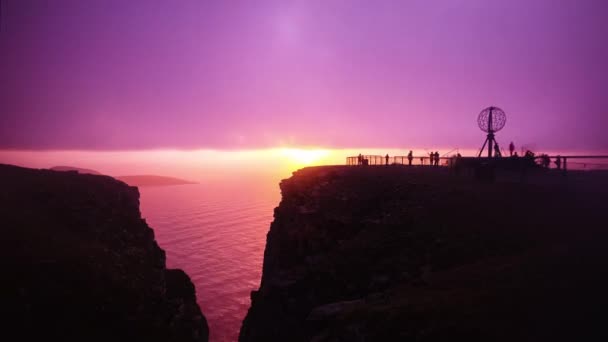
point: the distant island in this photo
(77, 169)
(133, 180)
(152, 180)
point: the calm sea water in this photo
(217, 234)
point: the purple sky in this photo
(250, 74)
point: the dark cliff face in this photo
(79, 263)
(391, 253)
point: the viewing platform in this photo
(399, 160)
(566, 162)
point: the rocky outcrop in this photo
(79, 263)
(418, 254)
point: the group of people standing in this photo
(433, 159)
(361, 160)
(545, 161)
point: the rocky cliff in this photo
(418, 254)
(79, 263)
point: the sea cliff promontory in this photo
(80, 264)
(392, 253)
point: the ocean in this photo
(217, 234)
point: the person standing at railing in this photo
(545, 161)
(410, 157)
(558, 162)
(386, 159)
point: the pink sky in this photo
(129, 75)
(197, 165)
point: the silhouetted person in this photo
(386, 159)
(436, 158)
(410, 157)
(421, 161)
(511, 149)
(359, 159)
(558, 162)
(529, 158)
(456, 163)
(497, 151)
(545, 161)
(529, 154)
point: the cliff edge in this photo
(80, 264)
(418, 254)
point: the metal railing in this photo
(396, 160)
(567, 162)
(573, 162)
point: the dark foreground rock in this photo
(418, 254)
(79, 263)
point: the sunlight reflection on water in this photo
(217, 234)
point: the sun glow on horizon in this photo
(304, 157)
(205, 164)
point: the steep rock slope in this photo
(79, 263)
(419, 254)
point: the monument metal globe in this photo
(491, 120)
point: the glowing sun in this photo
(303, 157)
